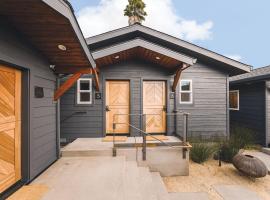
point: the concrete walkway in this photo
(236, 192)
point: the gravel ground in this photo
(202, 177)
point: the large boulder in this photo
(250, 165)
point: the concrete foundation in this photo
(168, 161)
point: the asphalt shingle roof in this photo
(255, 74)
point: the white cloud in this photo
(235, 57)
(108, 15)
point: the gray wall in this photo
(208, 113)
(41, 130)
(251, 113)
(267, 113)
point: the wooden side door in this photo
(117, 102)
(10, 127)
(154, 103)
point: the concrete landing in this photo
(235, 192)
(103, 178)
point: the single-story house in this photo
(250, 102)
(144, 71)
(35, 37)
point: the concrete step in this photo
(146, 184)
(188, 196)
(132, 182)
(159, 186)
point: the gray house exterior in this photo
(26, 48)
(116, 59)
(254, 106)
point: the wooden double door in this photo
(10, 127)
(118, 106)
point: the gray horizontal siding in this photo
(43, 133)
(251, 112)
(42, 123)
(207, 114)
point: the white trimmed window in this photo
(84, 91)
(234, 99)
(186, 92)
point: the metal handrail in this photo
(144, 131)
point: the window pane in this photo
(84, 85)
(85, 96)
(234, 100)
(185, 86)
(185, 97)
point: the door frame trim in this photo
(104, 101)
(167, 86)
(25, 128)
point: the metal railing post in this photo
(144, 138)
(185, 127)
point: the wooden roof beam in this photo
(96, 79)
(70, 82)
(178, 75)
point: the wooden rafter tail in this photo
(96, 79)
(70, 82)
(178, 74)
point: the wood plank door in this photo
(154, 104)
(10, 127)
(117, 102)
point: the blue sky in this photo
(239, 28)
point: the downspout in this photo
(58, 122)
(228, 107)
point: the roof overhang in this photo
(256, 75)
(168, 41)
(47, 24)
(144, 50)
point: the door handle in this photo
(165, 108)
(107, 109)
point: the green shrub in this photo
(228, 151)
(241, 137)
(200, 152)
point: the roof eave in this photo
(65, 9)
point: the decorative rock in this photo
(250, 165)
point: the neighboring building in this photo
(250, 102)
(139, 69)
(34, 35)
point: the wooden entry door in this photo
(154, 104)
(10, 127)
(117, 102)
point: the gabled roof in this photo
(138, 42)
(255, 75)
(130, 32)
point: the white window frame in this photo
(79, 91)
(237, 91)
(184, 91)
